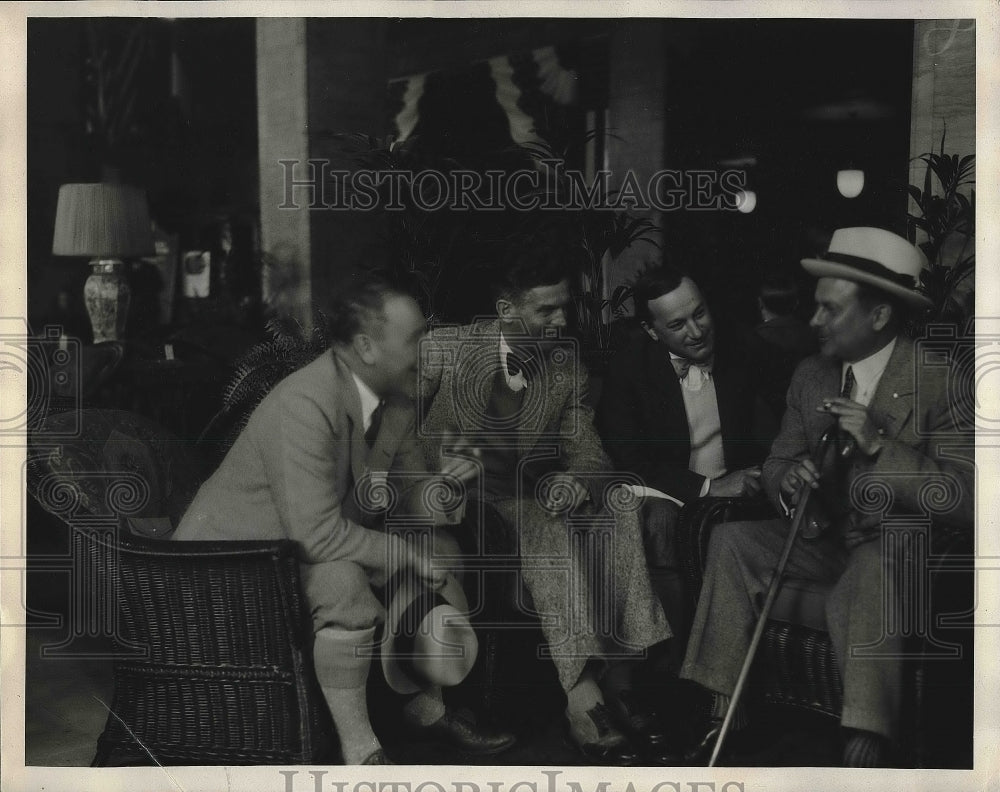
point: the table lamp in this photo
(108, 223)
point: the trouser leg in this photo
(742, 557)
(659, 518)
(589, 583)
(863, 612)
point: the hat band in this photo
(871, 267)
(411, 619)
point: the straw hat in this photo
(876, 257)
(428, 637)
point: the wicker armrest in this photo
(694, 529)
(280, 548)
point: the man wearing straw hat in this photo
(864, 385)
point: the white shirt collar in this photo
(517, 382)
(369, 401)
(698, 373)
(868, 372)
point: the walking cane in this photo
(772, 594)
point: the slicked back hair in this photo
(779, 295)
(655, 282)
(359, 302)
(527, 266)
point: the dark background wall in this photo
(733, 87)
(190, 138)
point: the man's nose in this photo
(695, 330)
(558, 318)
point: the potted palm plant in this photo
(948, 219)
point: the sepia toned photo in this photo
(539, 400)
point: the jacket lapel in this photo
(352, 403)
(892, 404)
(665, 390)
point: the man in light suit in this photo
(517, 393)
(301, 469)
(894, 415)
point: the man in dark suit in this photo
(680, 410)
(518, 393)
(894, 414)
(321, 439)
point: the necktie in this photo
(845, 392)
(376, 422)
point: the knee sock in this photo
(618, 677)
(343, 673)
(584, 694)
(425, 708)
(720, 706)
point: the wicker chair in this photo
(796, 666)
(213, 661)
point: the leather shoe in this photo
(640, 722)
(377, 757)
(593, 736)
(460, 732)
(700, 750)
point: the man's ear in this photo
(364, 348)
(504, 309)
(881, 314)
(649, 331)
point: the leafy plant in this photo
(603, 233)
(287, 349)
(435, 248)
(944, 216)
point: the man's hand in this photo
(564, 493)
(802, 472)
(462, 458)
(853, 419)
(433, 578)
(736, 484)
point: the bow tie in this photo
(682, 366)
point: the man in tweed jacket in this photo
(514, 391)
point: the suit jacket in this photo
(292, 471)
(642, 419)
(912, 411)
(458, 365)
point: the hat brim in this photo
(821, 268)
(396, 675)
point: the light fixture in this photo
(746, 201)
(850, 182)
(107, 222)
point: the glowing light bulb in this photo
(850, 182)
(746, 201)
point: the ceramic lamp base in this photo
(107, 296)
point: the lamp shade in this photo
(102, 221)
